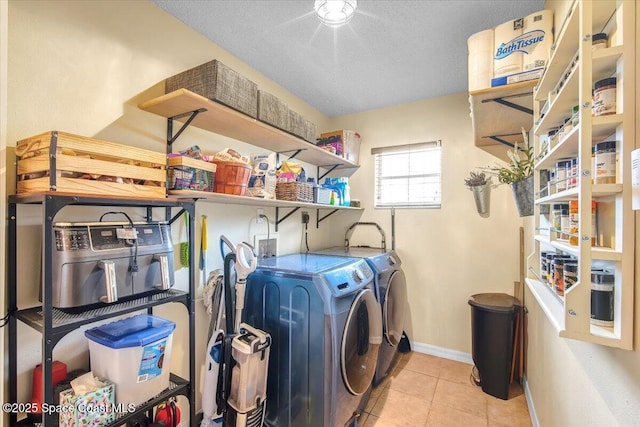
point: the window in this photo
(408, 176)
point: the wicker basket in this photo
(231, 177)
(185, 173)
(294, 191)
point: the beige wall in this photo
(83, 67)
(573, 383)
(4, 15)
(451, 253)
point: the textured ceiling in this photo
(392, 52)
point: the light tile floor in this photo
(429, 391)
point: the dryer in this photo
(325, 323)
(391, 291)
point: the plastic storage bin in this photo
(134, 354)
(492, 340)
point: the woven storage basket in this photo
(231, 178)
(216, 81)
(302, 127)
(185, 173)
(294, 191)
(273, 110)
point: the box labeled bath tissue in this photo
(521, 48)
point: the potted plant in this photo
(518, 173)
(480, 185)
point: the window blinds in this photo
(408, 176)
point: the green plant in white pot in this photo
(518, 173)
(480, 185)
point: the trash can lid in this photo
(494, 302)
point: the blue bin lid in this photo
(131, 332)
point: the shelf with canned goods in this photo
(582, 186)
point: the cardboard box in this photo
(517, 78)
(347, 143)
(218, 82)
(92, 409)
(67, 163)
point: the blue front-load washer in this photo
(324, 320)
(391, 291)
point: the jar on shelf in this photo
(570, 274)
(556, 217)
(594, 223)
(572, 174)
(602, 298)
(575, 115)
(561, 174)
(599, 41)
(574, 222)
(605, 163)
(604, 97)
(565, 224)
(543, 264)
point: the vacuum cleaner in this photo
(235, 384)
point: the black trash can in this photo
(493, 318)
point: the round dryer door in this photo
(394, 308)
(360, 343)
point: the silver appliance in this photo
(326, 329)
(97, 263)
(391, 291)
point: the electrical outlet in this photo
(266, 247)
(259, 218)
(305, 217)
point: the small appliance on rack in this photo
(391, 291)
(95, 263)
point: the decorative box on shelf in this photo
(302, 127)
(218, 82)
(67, 163)
(273, 110)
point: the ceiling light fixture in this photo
(334, 13)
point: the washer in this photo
(391, 291)
(325, 323)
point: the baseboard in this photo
(532, 409)
(445, 353)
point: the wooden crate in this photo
(302, 127)
(273, 110)
(67, 163)
(216, 81)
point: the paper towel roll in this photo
(506, 58)
(537, 25)
(480, 47)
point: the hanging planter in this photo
(480, 186)
(523, 194)
(482, 197)
(519, 174)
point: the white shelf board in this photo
(597, 191)
(232, 199)
(549, 302)
(598, 253)
(220, 119)
(561, 105)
